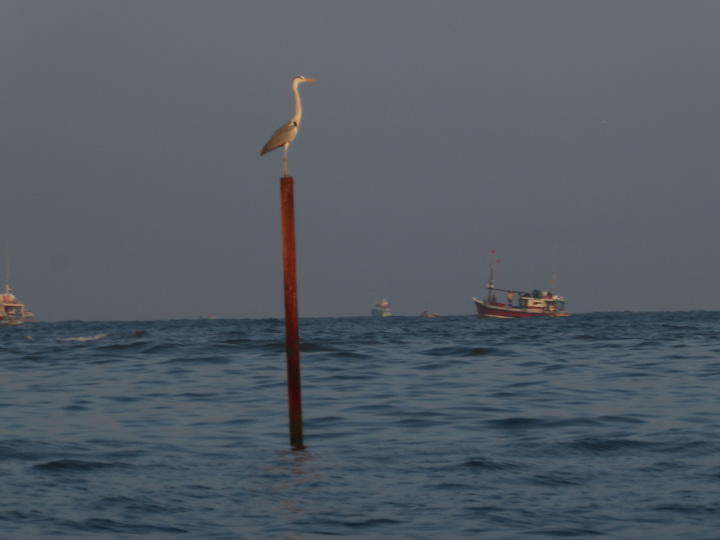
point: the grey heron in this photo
(287, 132)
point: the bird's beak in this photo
(308, 79)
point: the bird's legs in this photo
(285, 160)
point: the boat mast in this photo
(491, 282)
(7, 275)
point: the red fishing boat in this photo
(519, 303)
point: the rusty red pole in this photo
(291, 313)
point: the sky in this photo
(578, 140)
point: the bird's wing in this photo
(283, 135)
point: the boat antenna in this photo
(553, 283)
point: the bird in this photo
(287, 132)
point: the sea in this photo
(595, 425)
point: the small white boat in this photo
(381, 309)
(13, 312)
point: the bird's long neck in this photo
(298, 104)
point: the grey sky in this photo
(580, 136)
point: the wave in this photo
(96, 337)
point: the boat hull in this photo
(501, 311)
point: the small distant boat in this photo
(13, 312)
(428, 315)
(381, 309)
(536, 304)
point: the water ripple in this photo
(598, 425)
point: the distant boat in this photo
(428, 315)
(13, 312)
(381, 309)
(519, 304)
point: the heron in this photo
(287, 132)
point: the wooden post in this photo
(291, 313)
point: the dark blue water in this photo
(595, 425)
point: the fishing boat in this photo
(13, 312)
(381, 309)
(519, 304)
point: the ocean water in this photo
(598, 425)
